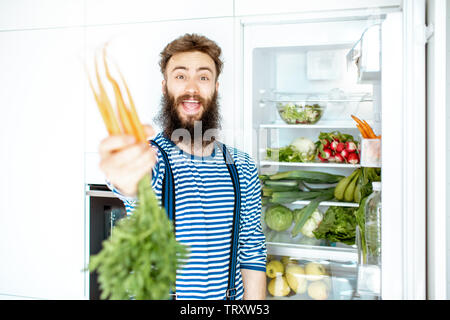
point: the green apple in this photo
(274, 268)
(295, 276)
(318, 290)
(278, 287)
(314, 271)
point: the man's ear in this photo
(217, 86)
(163, 86)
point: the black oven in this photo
(104, 211)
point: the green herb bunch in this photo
(139, 261)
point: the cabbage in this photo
(278, 218)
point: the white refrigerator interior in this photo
(348, 64)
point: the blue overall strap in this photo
(168, 191)
(231, 290)
(168, 186)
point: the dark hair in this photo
(189, 43)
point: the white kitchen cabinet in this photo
(136, 49)
(135, 11)
(268, 7)
(32, 14)
(42, 222)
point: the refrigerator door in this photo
(404, 166)
(438, 219)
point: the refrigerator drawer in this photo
(294, 278)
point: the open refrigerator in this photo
(329, 66)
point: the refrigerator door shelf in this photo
(366, 55)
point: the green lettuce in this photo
(338, 225)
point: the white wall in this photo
(50, 126)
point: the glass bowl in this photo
(296, 113)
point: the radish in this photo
(334, 145)
(321, 159)
(339, 158)
(325, 143)
(350, 146)
(340, 147)
(353, 158)
(327, 153)
(344, 153)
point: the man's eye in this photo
(181, 77)
(204, 78)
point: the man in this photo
(207, 195)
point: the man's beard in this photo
(204, 128)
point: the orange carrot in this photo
(358, 121)
(129, 121)
(104, 106)
(124, 115)
(369, 129)
(363, 125)
(140, 134)
(362, 130)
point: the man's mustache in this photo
(198, 98)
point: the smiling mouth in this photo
(191, 106)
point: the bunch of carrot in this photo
(141, 259)
(128, 122)
(365, 129)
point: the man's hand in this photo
(124, 162)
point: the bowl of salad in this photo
(295, 113)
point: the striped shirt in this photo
(204, 202)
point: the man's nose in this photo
(191, 87)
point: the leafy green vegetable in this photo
(140, 259)
(286, 154)
(365, 182)
(300, 150)
(361, 222)
(335, 135)
(338, 225)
